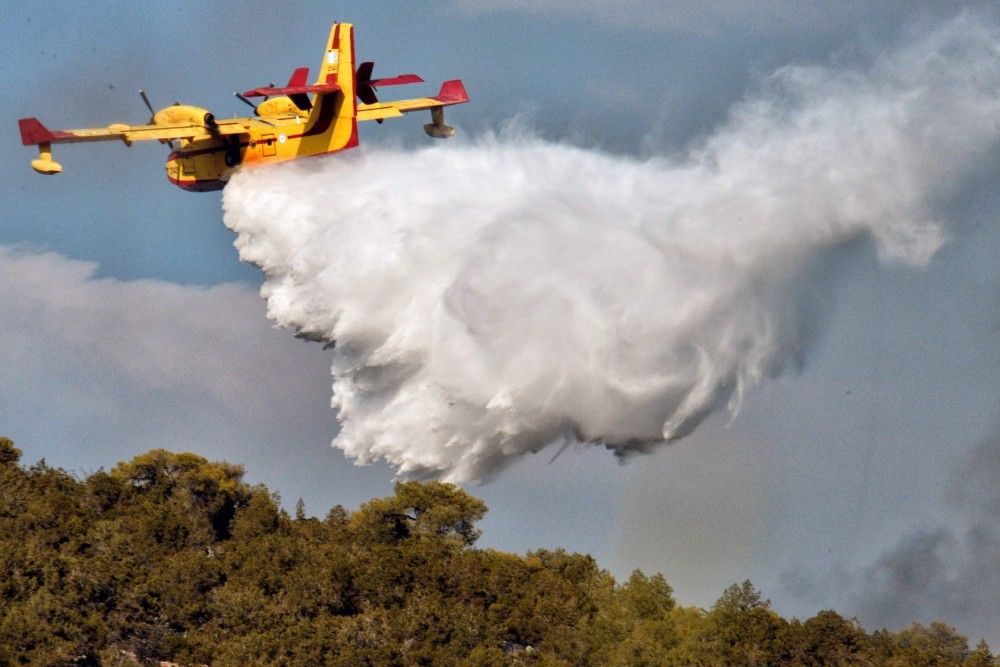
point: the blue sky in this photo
(114, 280)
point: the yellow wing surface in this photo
(178, 122)
(34, 133)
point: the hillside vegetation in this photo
(170, 557)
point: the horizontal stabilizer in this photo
(400, 80)
(301, 88)
(292, 90)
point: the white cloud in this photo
(94, 370)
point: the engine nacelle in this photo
(277, 106)
(179, 114)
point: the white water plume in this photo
(489, 298)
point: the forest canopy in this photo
(171, 557)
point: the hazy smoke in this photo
(489, 298)
(945, 572)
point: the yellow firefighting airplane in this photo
(287, 125)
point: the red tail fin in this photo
(299, 77)
(33, 132)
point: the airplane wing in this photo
(34, 133)
(452, 92)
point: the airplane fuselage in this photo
(206, 164)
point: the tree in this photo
(829, 639)
(980, 656)
(647, 598)
(739, 599)
(433, 510)
(170, 557)
(213, 490)
(9, 454)
(744, 630)
(937, 644)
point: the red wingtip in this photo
(33, 132)
(452, 92)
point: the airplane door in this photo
(267, 145)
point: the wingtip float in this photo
(297, 120)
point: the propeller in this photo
(142, 94)
(366, 91)
(253, 106)
(247, 102)
(152, 115)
